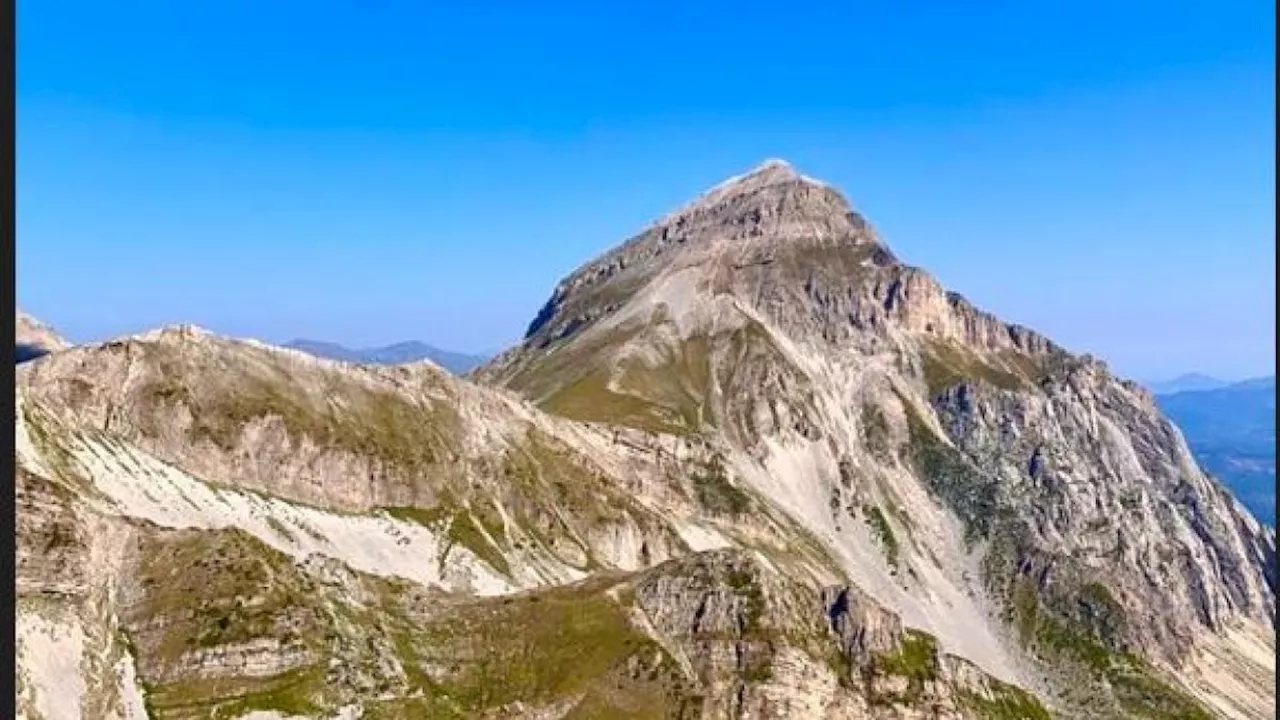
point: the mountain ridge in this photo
(751, 464)
(1186, 382)
(399, 353)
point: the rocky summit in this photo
(747, 464)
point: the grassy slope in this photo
(404, 653)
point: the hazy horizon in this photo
(360, 175)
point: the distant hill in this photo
(1187, 383)
(397, 354)
(1232, 431)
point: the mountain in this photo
(1232, 431)
(745, 465)
(1019, 483)
(35, 339)
(397, 354)
(1259, 383)
(1186, 383)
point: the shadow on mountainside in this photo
(27, 352)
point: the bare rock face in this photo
(745, 465)
(995, 471)
(1105, 486)
(35, 339)
(767, 646)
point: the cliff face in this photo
(745, 465)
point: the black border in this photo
(7, 213)
(1276, 489)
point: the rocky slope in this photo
(1019, 501)
(761, 469)
(201, 535)
(34, 338)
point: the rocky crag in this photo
(746, 465)
(34, 338)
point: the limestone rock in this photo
(746, 465)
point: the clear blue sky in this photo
(367, 172)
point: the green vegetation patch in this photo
(349, 416)
(411, 708)
(573, 381)
(550, 497)
(1082, 637)
(1082, 640)
(1098, 611)
(281, 529)
(947, 364)
(47, 436)
(1025, 604)
(883, 533)
(915, 658)
(1058, 638)
(461, 526)
(557, 498)
(557, 365)
(565, 480)
(680, 385)
(757, 652)
(436, 517)
(672, 396)
(588, 398)
(464, 530)
(207, 589)
(716, 494)
(203, 589)
(1007, 702)
(291, 693)
(973, 495)
(535, 648)
(1141, 694)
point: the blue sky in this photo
(367, 172)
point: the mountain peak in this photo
(1193, 381)
(770, 222)
(775, 166)
(772, 172)
(775, 162)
